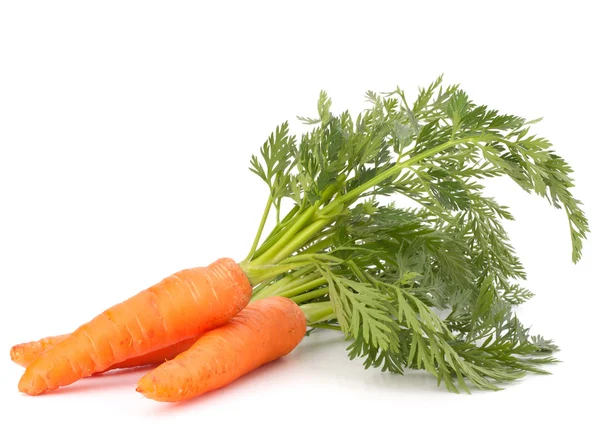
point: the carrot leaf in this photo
(392, 239)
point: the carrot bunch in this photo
(195, 325)
(341, 259)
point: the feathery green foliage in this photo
(429, 286)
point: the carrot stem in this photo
(315, 294)
(318, 312)
(274, 252)
(288, 284)
(260, 227)
(305, 287)
(298, 240)
(277, 232)
(320, 244)
(300, 286)
(325, 326)
(283, 282)
(297, 225)
(258, 274)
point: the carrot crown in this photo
(429, 283)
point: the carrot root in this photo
(25, 353)
(262, 332)
(181, 306)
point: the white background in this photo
(126, 130)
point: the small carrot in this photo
(181, 306)
(25, 353)
(264, 331)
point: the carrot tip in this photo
(143, 387)
(32, 386)
(17, 355)
(147, 386)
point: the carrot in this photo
(181, 306)
(25, 353)
(264, 331)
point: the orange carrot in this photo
(181, 306)
(264, 331)
(25, 353)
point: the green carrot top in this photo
(428, 287)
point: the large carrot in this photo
(264, 331)
(25, 353)
(181, 306)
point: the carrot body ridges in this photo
(181, 306)
(25, 353)
(156, 357)
(264, 331)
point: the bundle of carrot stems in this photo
(427, 281)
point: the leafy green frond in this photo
(277, 154)
(516, 295)
(390, 274)
(361, 310)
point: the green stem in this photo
(264, 284)
(305, 287)
(258, 274)
(351, 195)
(277, 232)
(312, 257)
(331, 191)
(299, 239)
(285, 233)
(272, 284)
(356, 270)
(321, 245)
(284, 285)
(260, 227)
(297, 225)
(318, 312)
(325, 326)
(315, 294)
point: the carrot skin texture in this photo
(156, 357)
(25, 353)
(181, 306)
(264, 331)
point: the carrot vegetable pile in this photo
(389, 239)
